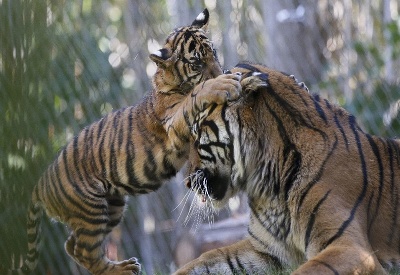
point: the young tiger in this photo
(324, 196)
(130, 151)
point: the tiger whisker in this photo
(210, 211)
(191, 208)
(201, 205)
(183, 201)
(206, 193)
(194, 177)
(188, 193)
(186, 196)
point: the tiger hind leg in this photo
(85, 244)
(116, 207)
(103, 265)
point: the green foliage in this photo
(394, 37)
(372, 97)
(54, 79)
(378, 112)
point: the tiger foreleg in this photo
(342, 259)
(238, 258)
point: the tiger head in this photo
(232, 151)
(216, 169)
(187, 58)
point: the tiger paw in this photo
(219, 90)
(126, 267)
(131, 266)
(253, 81)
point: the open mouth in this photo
(208, 186)
(197, 181)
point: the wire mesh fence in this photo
(64, 64)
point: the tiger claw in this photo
(238, 76)
(254, 81)
(263, 77)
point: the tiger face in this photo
(211, 175)
(218, 171)
(187, 58)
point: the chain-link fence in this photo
(64, 64)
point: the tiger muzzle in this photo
(207, 183)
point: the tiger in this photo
(323, 194)
(130, 151)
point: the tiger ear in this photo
(160, 56)
(201, 20)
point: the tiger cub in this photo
(130, 151)
(324, 196)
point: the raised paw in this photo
(126, 267)
(131, 264)
(219, 90)
(254, 80)
(226, 87)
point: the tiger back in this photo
(323, 194)
(129, 151)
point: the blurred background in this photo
(64, 64)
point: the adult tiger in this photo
(130, 151)
(324, 196)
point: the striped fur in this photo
(323, 194)
(130, 151)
